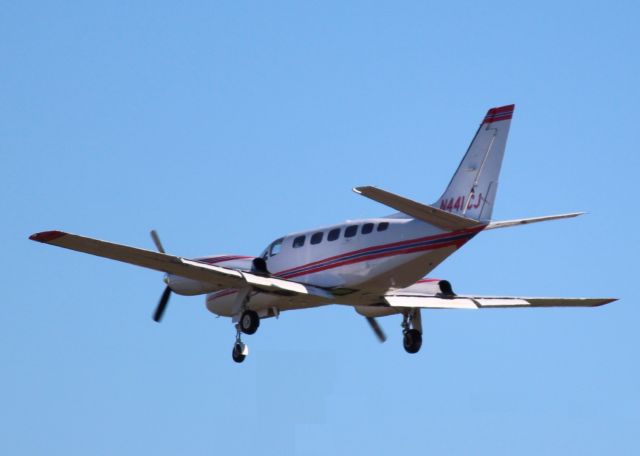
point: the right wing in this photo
(480, 302)
(216, 275)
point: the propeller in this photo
(164, 299)
(162, 305)
(156, 241)
(376, 329)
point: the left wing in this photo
(216, 275)
(479, 302)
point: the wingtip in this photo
(597, 302)
(572, 214)
(46, 236)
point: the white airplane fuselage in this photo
(378, 255)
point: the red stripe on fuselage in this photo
(385, 246)
(458, 243)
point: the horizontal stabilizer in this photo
(526, 221)
(429, 214)
(480, 302)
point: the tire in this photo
(236, 354)
(249, 322)
(412, 341)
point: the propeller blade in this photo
(156, 241)
(162, 305)
(377, 329)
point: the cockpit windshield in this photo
(275, 247)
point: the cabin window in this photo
(351, 231)
(367, 228)
(317, 238)
(298, 242)
(333, 234)
(383, 226)
(275, 247)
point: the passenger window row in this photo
(334, 234)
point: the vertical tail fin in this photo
(472, 190)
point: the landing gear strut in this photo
(248, 323)
(412, 331)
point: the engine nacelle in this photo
(434, 287)
(189, 287)
(376, 311)
(224, 303)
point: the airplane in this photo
(375, 265)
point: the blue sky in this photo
(227, 124)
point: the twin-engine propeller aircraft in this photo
(375, 265)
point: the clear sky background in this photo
(227, 124)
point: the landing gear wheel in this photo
(239, 352)
(249, 321)
(412, 341)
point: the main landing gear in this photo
(412, 331)
(248, 323)
(412, 340)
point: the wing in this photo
(479, 302)
(216, 275)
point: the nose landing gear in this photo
(248, 323)
(240, 349)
